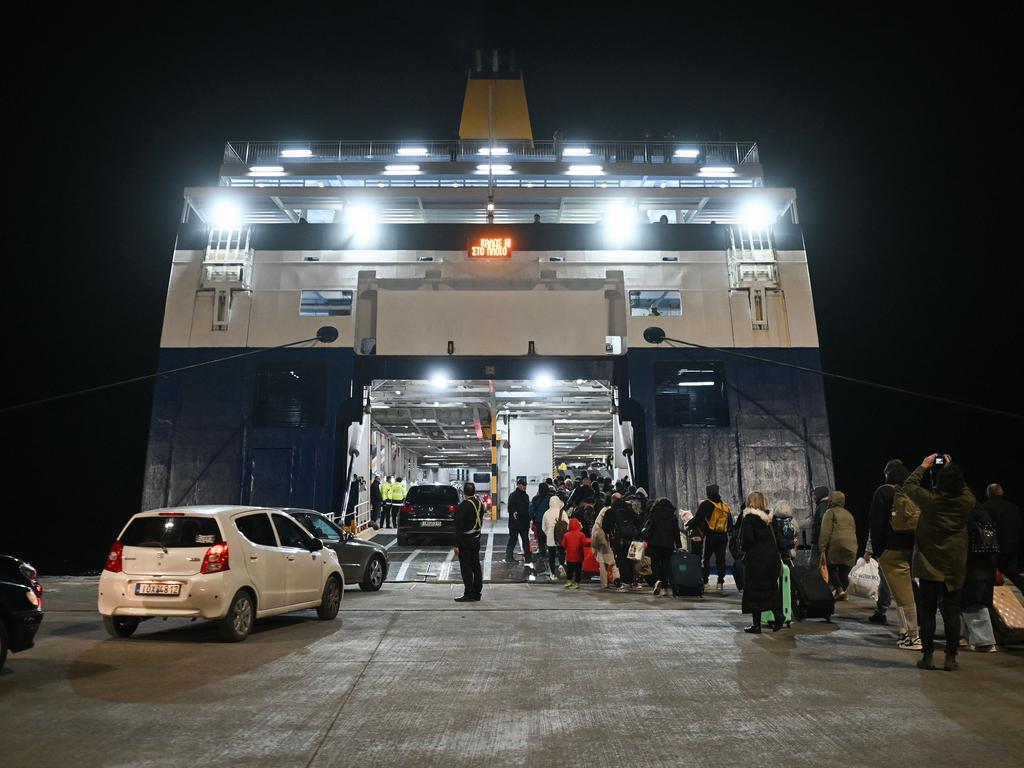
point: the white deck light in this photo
(412, 151)
(498, 169)
(226, 215)
(721, 171)
(757, 215)
(585, 170)
(297, 153)
(576, 151)
(492, 153)
(685, 152)
(362, 220)
(401, 170)
(266, 170)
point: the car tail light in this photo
(216, 559)
(407, 508)
(33, 598)
(451, 509)
(113, 563)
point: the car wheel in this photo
(330, 603)
(3, 644)
(237, 624)
(121, 626)
(374, 578)
(403, 539)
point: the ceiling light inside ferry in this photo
(226, 214)
(576, 152)
(717, 171)
(757, 215)
(412, 151)
(402, 170)
(543, 381)
(586, 170)
(685, 152)
(495, 152)
(296, 153)
(266, 170)
(438, 380)
(497, 169)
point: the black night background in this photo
(896, 131)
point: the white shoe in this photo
(910, 644)
(984, 648)
(552, 577)
(657, 588)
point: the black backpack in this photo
(984, 540)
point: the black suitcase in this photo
(814, 599)
(687, 578)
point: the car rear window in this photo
(172, 532)
(432, 494)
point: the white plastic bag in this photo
(636, 550)
(864, 579)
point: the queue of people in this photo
(937, 548)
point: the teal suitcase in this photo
(767, 617)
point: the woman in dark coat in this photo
(979, 582)
(762, 564)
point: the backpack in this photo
(905, 513)
(785, 532)
(984, 540)
(718, 520)
(561, 527)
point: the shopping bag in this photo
(636, 550)
(643, 567)
(864, 579)
(823, 567)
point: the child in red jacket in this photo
(573, 543)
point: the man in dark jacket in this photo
(585, 511)
(1006, 515)
(714, 519)
(518, 522)
(622, 526)
(661, 532)
(940, 552)
(819, 498)
(467, 544)
(375, 501)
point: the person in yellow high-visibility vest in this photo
(385, 494)
(397, 497)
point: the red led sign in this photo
(491, 248)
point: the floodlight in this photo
(296, 153)
(362, 220)
(226, 214)
(585, 170)
(576, 151)
(687, 152)
(438, 380)
(412, 151)
(757, 215)
(492, 152)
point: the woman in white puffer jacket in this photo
(556, 554)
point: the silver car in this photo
(362, 562)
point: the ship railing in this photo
(580, 151)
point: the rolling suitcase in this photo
(814, 599)
(786, 586)
(687, 578)
(1007, 615)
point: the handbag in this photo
(636, 550)
(643, 567)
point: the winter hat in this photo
(896, 472)
(821, 492)
(713, 492)
(836, 499)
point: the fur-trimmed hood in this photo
(766, 517)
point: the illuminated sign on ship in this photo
(491, 248)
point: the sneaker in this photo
(621, 588)
(878, 618)
(657, 588)
(910, 644)
(568, 584)
(720, 587)
(577, 586)
(984, 648)
(962, 642)
(552, 577)
(840, 595)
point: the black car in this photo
(429, 510)
(21, 606)
(362, 562)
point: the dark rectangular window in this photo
(256, 528)
(433, 494)
(290, 395)
(655, 303)
(690, 394)
(325, 303)
(172, 532)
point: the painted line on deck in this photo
(446, 567)
(390, 544)
(406, 563)
(489, 555)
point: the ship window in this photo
(290, 395)
(655, 303)
(325, 303)
(690, 394)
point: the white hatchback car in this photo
(229, 564)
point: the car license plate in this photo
(430, 523)
(158, 588)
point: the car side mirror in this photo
(315, 545)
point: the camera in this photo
(940, 460)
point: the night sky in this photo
(895, 130)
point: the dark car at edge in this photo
(362, 562)
(21, 606)
(429, 510)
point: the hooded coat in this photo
(662, 527)
(762, 564)
(555, 506)
(940, 541)
(838, 532)
(574, 541)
